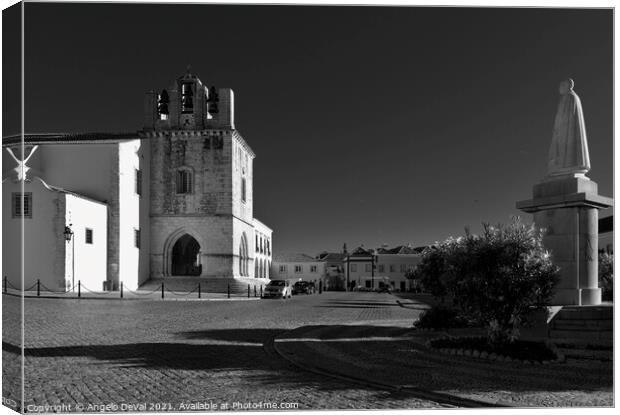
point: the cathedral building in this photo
(173, 199)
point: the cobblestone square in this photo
(183, 354)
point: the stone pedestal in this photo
(567, 207)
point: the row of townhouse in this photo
(360, 269)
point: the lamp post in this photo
(68, 237)
(372, 272)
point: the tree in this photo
(498, 278)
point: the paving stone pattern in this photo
(113, 352)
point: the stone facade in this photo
(179, 192)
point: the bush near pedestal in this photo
(497, 279)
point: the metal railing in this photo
(78, 291)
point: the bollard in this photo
(248, 290)
(5, 281)
(255, 291)
(79, 288)
(198, 290)
(162, 290)
(38, 287)
(228, 290)
(121, 289)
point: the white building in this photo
(298, 267)
(173, 199)
(374, 268)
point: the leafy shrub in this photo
(440, 317)
(498, 278)
(606, 275)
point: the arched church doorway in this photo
(186, 257)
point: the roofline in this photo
(68, 138)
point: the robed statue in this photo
(568, 154)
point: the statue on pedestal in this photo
(568, 154)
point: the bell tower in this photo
(200, 182)
(188, 104)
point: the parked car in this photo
(385, 289)
(303, 287)
(278, 289)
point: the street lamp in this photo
(68, 233)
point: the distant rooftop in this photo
(42, 138)
(293, 258)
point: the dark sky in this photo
(371, 125)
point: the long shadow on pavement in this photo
(210, 351)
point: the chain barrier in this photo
(142, 294)
(45, 288)
(82, 286)
(76, 289)
(181, 294)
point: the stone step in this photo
(583, 325)
(593, 336)
(207, 285)
(586, 313)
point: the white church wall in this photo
(44, 244)
(130, 233)
(144, 154)
(87, 259)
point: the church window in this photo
(243, 189)
(187, 98)
(138, 182)
(136, 237)
(184, 181)
(89, 236)
(27, 205)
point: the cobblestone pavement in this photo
(113, 352)
(399, 357)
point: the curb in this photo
(440, 398)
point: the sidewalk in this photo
(397, 357)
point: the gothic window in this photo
(162, 105)
(27, 205)
(256, 244)
(184, 181)
(138, 182)
(244, 260)
(89, 236)
(187, 102)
